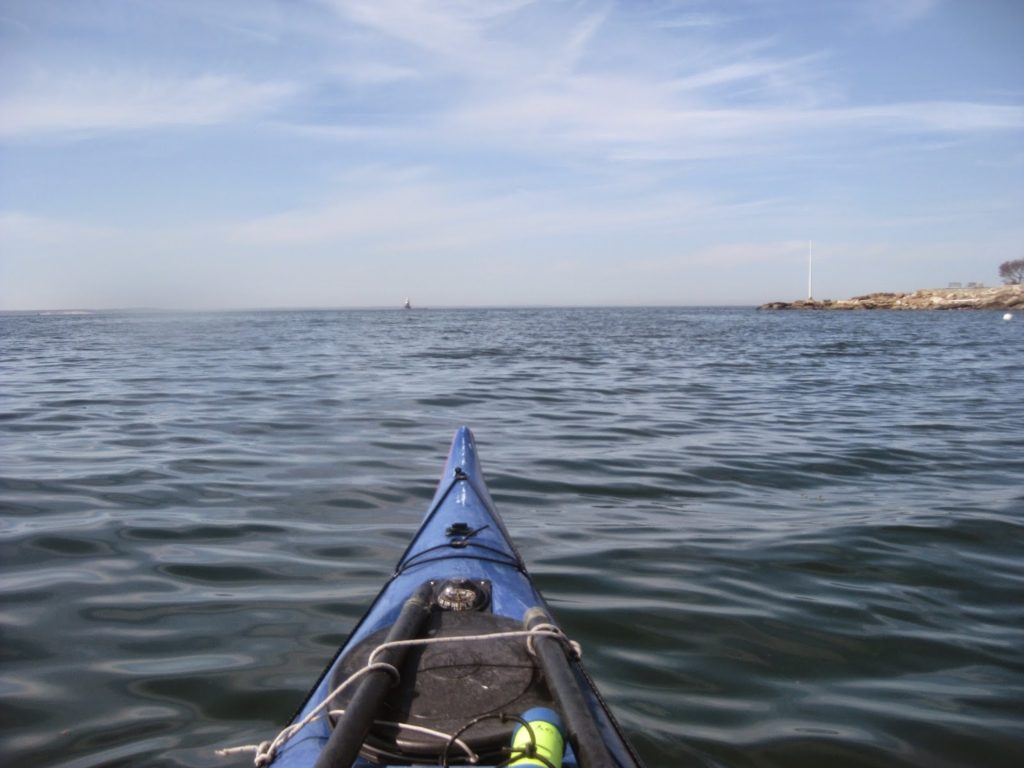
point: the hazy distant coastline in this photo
(1001, 297)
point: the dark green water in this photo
(786, 539)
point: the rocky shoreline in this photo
(1001, 297)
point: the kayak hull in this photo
(461, 538)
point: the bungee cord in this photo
(266, 751)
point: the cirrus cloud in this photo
(103, 102)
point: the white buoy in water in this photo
(1007, 316)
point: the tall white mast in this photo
(810, 264)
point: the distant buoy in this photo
(1007, 316)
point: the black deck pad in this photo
(445, 686)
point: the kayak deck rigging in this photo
(454, 659)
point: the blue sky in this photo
(333, 153)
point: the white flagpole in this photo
(810, 264)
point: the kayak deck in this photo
(461, 576)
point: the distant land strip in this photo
(1001, 297)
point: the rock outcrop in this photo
(1001, 297)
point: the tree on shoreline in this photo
(1012, 272)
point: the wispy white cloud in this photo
(729, 73)
(94, 101)
(1012, 160)
(256, 20)
(625, 118)
(944, 117)
(26, 228)
(371, 135)
(578, 40)
(416, 210)
(375, 73)
(785, 252)
(546, 96)
(694, 21)
(526, 94)
(896, 13)
(452, 29)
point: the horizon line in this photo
(360, 308)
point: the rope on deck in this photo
(266, 751)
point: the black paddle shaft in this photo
(582, 731)
(346, 740)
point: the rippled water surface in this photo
(782, 539)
